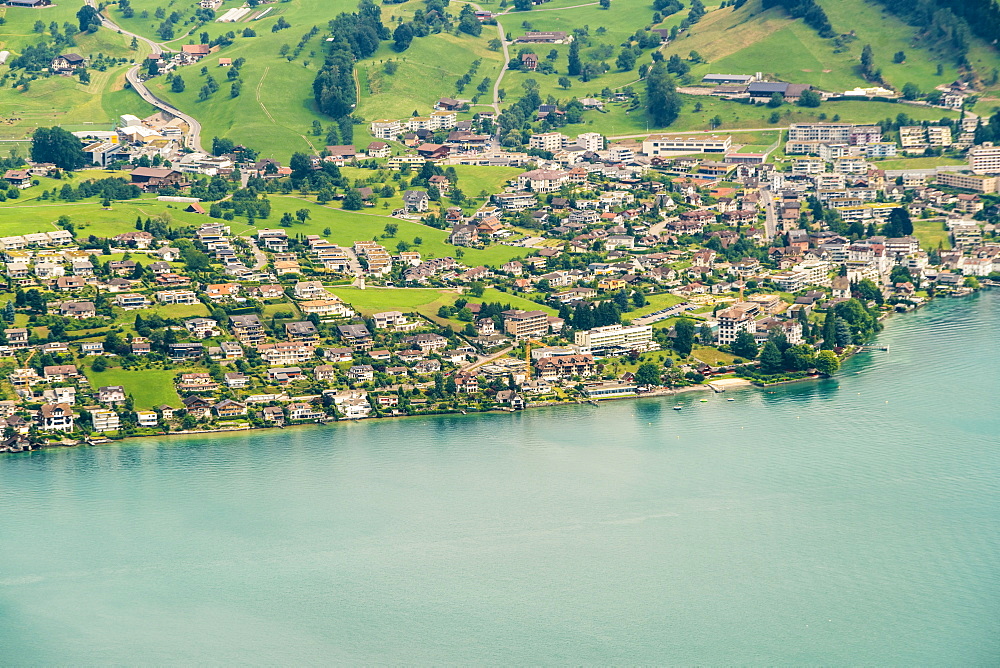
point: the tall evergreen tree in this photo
(663, 102)
(771, 360)
(573, 66)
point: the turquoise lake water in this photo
(843, 522)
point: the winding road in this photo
(135, 80)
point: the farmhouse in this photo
(555, 37)
(67, 63)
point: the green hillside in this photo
(749, 40)
(63, 100)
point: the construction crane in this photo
(527, 350)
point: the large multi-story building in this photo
(386, 129)
(548, 141)
(247, 328)
(975, 182)
(985, 158)
(614, 339)
(850, 164)
(867, 212)
(525, 324)
(939, 135)
(666, 145)
(821, 132)
(735, 319)
(591, 141)
(881, 149)
(808, 166)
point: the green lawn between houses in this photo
(426, 301)
(148, 387)
(931, 233)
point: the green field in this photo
(476, 182)
(148, 387)
(748, 40)
(30, 214)
(425, 301)
(346, 227)
(620, 23)
(88, 217)
(64, 100)
(406, 300)
(655, 303)
(931, 233)
(617, 121)
(712, 356)
(918, 163)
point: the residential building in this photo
(548, 141)
(985, 158)
(56, 417)
(105, 420)
(657, 145)
(247, 328)
(615, 339)
(525, 324)
(736, 319)
(964, 181)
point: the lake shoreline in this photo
(730, 383)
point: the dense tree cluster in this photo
(948, 23)
(58, 146)
(355, 36)
(807, 10)
(89, 18)
(663, 102)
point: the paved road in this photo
(110, 25)
(259, 259)
(468, 368)
(194, 127)
(135, 80)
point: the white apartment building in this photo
(985, 159)
(849, 164)
(386, 129)
(590, 141)
(105, 420)
(823, 132)
(736, 319)
(831, 152)
(655, 145)
(803, 166)
(938, 135)
(614, 338)
(548, 141)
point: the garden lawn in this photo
(346, 227)
(917, 163)
(148, 387)
(654, 303)
(405, 300)
(712, 356)
(931, 234)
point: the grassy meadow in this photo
(746, 40)
(64, 100)
(148, 387)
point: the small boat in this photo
(730, 399)
(704, 401)
(677, 408)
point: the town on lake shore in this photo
(619, 274)
(424, 208)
